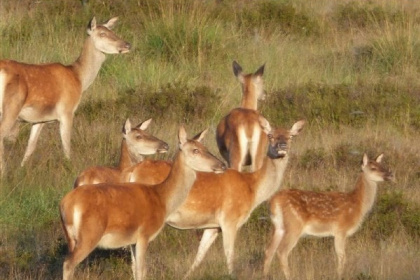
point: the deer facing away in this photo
(135, 144)
(295, 213)
(238, 135)
(116, 215)
(51, 92)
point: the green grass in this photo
(349, 69)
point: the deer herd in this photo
(128, 205)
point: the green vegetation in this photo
(350, 69)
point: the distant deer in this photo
(295, 213)
(135, 144)
(224, 202)
(51, 92)
(252, 86)
(238, 134)
(116, 215)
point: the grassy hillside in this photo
(349, 68)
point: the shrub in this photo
(392, 212)
(365, 14)
(172, 102)
(278, 16)
(345, 104)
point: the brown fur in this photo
(296, 212)
(225, 201)
(234, 136)
(116, 215)
(239, 139)
(140, 143)
(52, 92)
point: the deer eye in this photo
(138, 137)
(102, 34)
(270, 136)
(196, 151)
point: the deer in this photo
(135, 144)
(42, 93)
(224, 202)
(295, 213)
(114, 215)
(252, 86)
(238, 133)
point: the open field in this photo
(349, 68)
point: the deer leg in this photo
(209, 235)
(287, 243)
(33, 138)
(229, 236)
(140, 259)
(340, 244)
(80, 251)
(65, 132)
(14, 131)
(13, 100)
(277, 235)
(133, 258)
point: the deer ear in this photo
(144, 125)
(199, 137)
(379, 158)
(260, 71)
(91, 25)
(264, 124)
(182, 136)
(110, 23)
(237, 69)
(297, 127)
(127, 127)
(365, 160)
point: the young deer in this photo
(51, 92)
(239, 137)
(225, 201)
(295, 213)
(117, 215)
(135, 144)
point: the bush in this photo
(356, 14)
(392, 212)
(344, 104)
(173, 103)
(278, 16)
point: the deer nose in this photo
(282, 146)
(390, 177)
(221, 167)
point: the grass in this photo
(349, 68)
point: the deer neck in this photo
(126, 158)
(268, 179)
(249, 101)
(88, 64)
(174, 190)
(365, 191)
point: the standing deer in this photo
(51, 92)
(135, 144)
(238, 133)
(224, 202)
(117, 215)
(295, 213)
(252, 86)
